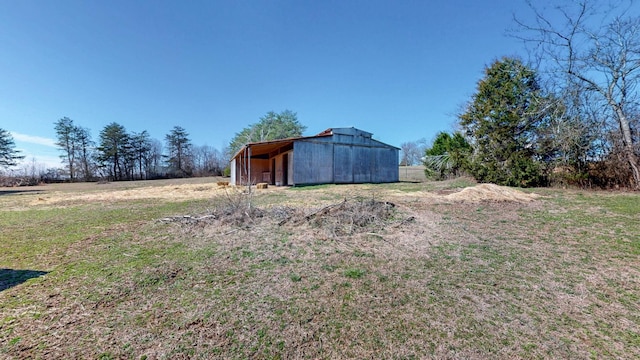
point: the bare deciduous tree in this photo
(207, 161)
(598, 49)
(411, 153)
(154, 162)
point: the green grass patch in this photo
(355, 273)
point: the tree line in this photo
(122, 155)
(570, 116)
(118, 154)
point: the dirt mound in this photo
(491, 192)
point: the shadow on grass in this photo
(15, 192)
(10, 277)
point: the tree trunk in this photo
(627, 141)
(633, 161)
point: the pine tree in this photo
(112, 152)
(179, 148)
(8, 154)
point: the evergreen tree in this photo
(179, 148)
(66, 132)
(85, 153)
(113, 149)
(141, 144)
(77, 148)
(8, 154)
(502, 122)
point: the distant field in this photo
(412, 173)
(187, 269)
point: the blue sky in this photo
(398, 69)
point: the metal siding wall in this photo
(386, 168)
(313, 163)
(302, 169)
(290, 169)
(363, 164)
(342, 139)
(233, 172)
(344, 159)
(379, 168)
(395, 175)
(322, 163)
(361, 140)
(325, 139)
(342, 163)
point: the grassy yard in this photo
(105, 271)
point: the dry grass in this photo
(412, 173)
(74, 194)
(393, 271)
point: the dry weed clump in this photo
(234, 207)
(350, 217)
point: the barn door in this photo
(342, 164)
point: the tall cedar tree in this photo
(502, 121)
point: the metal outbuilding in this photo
(335, 156)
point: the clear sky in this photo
(398, 69)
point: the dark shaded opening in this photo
(273, 171)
